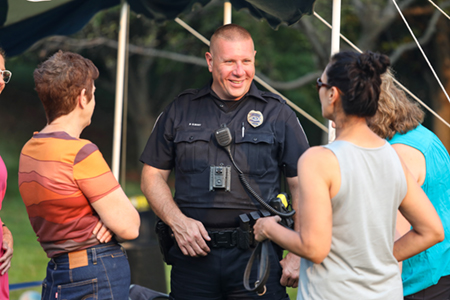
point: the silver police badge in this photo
(255, 118)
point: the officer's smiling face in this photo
(232, 64)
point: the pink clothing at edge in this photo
(4, 284)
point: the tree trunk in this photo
(440, 102)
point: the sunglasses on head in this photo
(6, 75)
(320, 84)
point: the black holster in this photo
(165, 239)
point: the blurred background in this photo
(165, 59)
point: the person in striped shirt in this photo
(73, 201)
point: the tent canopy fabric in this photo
(24, 22)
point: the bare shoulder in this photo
(319, 167)
(318, 155)
(319, 160)
(409, 154)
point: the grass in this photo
(30, 261)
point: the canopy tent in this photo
(23, 22)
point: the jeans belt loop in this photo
(54, 262)
(94, 256)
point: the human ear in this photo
(82, 99)
(334, 95)
(209, 60)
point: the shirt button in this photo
(221, 105)
(255, 139)
(191, 137)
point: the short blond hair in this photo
(230, 32)
(396, 113)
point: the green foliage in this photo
(283, 55)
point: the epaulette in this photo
(271, 95)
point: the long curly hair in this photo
(395, 113)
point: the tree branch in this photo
(290, 85)
(57, 42)
(431, 29)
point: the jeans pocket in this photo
(84, 290)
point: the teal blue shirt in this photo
(426, 268)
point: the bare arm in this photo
(427, 227)
(7, 244)
(414, 161)
(118, 215)
(190, 234)
(316, 168)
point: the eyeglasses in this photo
(6, 75)
(320, 84)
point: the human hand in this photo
(261, 225)
(103, 234)
(7, 245)
(5, 260)
(291, 270)
(190, 235)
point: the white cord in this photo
(396, 81)
(421, 50)
(438, 8)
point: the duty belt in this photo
(229, 238)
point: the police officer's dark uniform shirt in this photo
(183, 139)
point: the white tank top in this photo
(361, 264)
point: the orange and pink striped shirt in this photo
(59, 177)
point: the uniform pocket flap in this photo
(254, 138)
(192, 136)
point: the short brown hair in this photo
(60, 79)
(230, 32)
(396, 113)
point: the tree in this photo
(165, 59)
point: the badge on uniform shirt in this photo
(255, 118)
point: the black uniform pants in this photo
(219, 276)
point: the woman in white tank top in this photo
(350, 191)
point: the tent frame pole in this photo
(227, 12)
(335, 47)
(120, 80)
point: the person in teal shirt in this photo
(427, 274)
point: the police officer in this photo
(207, 261)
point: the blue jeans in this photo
(107, 276)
